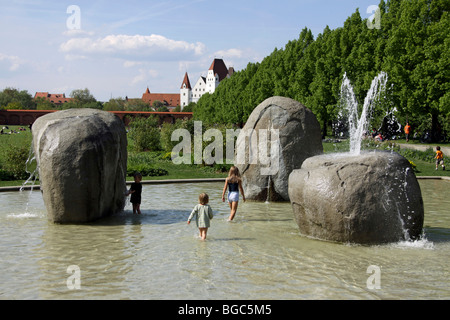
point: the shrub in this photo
(141, 162)
(427, 155)
(14, 166)
(167, 129)
(5, 175)
(146, 171)
(413, 166)
(145, 134)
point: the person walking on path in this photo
(407, 131)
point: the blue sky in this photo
(118, 48)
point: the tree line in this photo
(12, 98)
(411, 44)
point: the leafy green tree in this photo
(115, 104)
(159, 106)
(189, 107)
(145, 134)
(44, 104)
(168, 128)
(412, 46)
(11, 98)
(82, 96)
(137, 105)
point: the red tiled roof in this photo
(56, 98)
(186, 82)
(169, 99)
(41, 95)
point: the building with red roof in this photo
(168, 99)
(217, 72)
(57, 99)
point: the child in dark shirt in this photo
(135, 191)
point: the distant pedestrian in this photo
(379, 138)
(407, 131)
(136, 191)
(374, 133)
(439, 158)
(203, 214)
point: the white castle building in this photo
(216, 73)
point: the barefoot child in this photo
(234, 184)
(135, 191)
(202, 214)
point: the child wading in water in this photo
(202, 214)
(136, 191)
(234, 184)
(439, 158)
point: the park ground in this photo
(421, 157)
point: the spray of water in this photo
(34, 174)
(358, 125)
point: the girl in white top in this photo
(202, 214)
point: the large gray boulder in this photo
(278, 136)
(372, 198)
(82, 159)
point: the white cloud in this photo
(152, 46)
(73, 57)
(237, 58)
(130, 64)
(11, 63)
(230, 53)
(144, 74)
(77, 33)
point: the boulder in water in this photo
(278, 136)
(370, 198)
(82, 159)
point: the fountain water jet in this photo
(358, 197)
(33, 175)
(358, 126)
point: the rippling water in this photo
(260, 255)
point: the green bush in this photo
(146, 171)
(142, 162)
(167, 129)
(145, 134)
(14, 162)
(5, 175)
(427, 155)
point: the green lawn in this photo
(425, 166)
(403, 141)
(152, 159)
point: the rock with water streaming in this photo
(278, 136)
(82, 159)
(370, 198)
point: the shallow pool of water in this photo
(260, 255)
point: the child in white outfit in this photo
(202, 214)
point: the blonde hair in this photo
(203, 198)
(234, 175)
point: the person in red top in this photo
(407, 131)
(439, 158)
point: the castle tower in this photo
(185, 92)
(216, 73)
